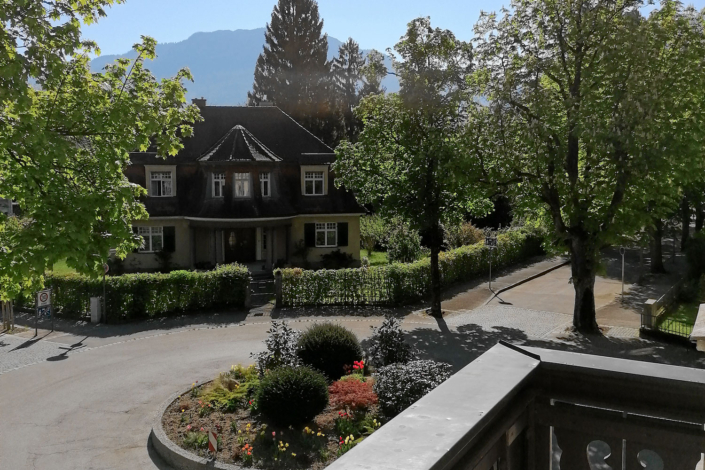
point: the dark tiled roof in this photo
(239, 145)
(250, 139)
(269, 125)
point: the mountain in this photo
(222, 63)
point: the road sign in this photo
(44, 298)
(212, 442)
(491, 242)
(45, 311)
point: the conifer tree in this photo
(347, 76)
(292, 71)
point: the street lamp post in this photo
(622, 251)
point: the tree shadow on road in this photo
(462, 346)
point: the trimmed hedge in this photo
(141, 296)
(398, 283)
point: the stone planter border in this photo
(174, 455)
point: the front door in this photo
(241, 245)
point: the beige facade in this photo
(315, 253)
(200, 243)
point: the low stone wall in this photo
(174, 455)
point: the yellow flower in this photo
(239, 431)
(293, 454)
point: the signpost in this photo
(43, 303)
(491, 244)
(106, 268)
(622, 251)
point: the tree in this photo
(293, 72)
(347, 74)
(373, 72)
(590, 107)
(65, 141)
(405, 161)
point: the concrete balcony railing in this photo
(536, 409)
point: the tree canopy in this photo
(65, 138)
(594, 118)
(405, 161)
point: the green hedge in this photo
(140, 296)
(399, 283)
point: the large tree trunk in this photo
(657, 266)
(583, 268)
(685, 224)
(699, 216)
(436, 241)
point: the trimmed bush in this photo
(292, 395)
(463, 234)
(387, 344)
(404, 245)
(399, 284)
(398, 386)
(329, 348)
(141, 296)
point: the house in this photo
(8, 207)
(250, 186)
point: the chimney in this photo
(265, 103)
(200, 102)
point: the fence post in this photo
(278, 288)
(648, 314)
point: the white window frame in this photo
(218, 183)
(149, 235)
(241, 184)
(314, 177)
(327, 229)
(265, 184)
(161, 169)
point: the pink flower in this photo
(274, 433)
(188, 428)
(201, 429)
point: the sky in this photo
(374, 24)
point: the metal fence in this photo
(654, 315)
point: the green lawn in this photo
(61, 268)
(378, 258)
(686, 313)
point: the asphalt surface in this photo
(84, 397)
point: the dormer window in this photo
(161, 184)
(218, 184)
(313, 183)
(265, 185)
(242, 185)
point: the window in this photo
(327, 234)
(161, 184)
(153, 239)
(242, 185)
(264, 184)
(218, 184)
(313, 183)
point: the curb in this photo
(525, 280)
(176, 456)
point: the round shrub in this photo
(404, 245)
(398, 386)
(292, 395)
(353, 395)
(329, 348)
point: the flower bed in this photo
(284, 413)
(248, 439)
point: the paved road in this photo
(84, 398)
